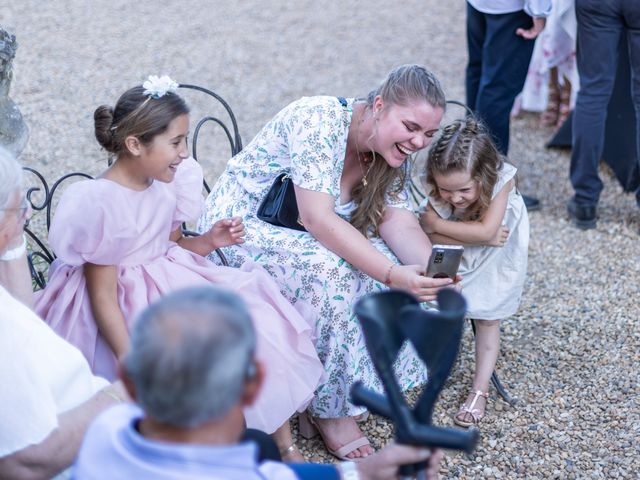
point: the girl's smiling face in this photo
(401, 130)
(457, 188)
(160, 159)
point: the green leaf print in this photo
(308, 253)
(257, 257)
(274, 165)
(341, 262)
(338, 297)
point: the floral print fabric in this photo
(308, 139)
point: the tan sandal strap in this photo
(477, 394)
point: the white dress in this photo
(493, 277)
(555, 47)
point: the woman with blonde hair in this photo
(347, 159)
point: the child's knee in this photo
(480, 324)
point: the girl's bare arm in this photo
(225, 232)
(479, 232)
(102, 286)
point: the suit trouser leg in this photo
(599, 30)
(631, 13)
(476, 29)
(505, 62)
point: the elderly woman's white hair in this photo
(10, 179)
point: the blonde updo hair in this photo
(138, 115)
(465, 146)
(403, 85)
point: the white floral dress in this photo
(493, 277)
(308, 138)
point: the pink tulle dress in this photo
(104, 223)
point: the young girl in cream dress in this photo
(473, 200)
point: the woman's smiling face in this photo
(400, 130)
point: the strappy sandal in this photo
(309, 428)
(565, 103)
(549, 117)
(474, 413)
(286, 453)
(363, 417)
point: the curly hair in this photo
(465, 145)
(403, 85)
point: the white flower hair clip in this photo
(156, 86)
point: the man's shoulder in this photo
(106, 427)
(116, 417)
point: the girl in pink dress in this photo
(120, 247)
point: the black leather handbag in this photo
(279, 207)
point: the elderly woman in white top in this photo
(48, 395)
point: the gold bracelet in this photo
(387, 277)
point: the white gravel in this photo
(570, 355)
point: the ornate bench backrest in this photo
(42, 195)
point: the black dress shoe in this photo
(582, 215)
(531, 203)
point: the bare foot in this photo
(338, 432)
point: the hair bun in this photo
(103, 121)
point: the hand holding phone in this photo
(444, 261)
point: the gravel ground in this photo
(570, 354)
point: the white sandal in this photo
(475, 413)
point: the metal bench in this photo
(41, 193)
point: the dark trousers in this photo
(498, 64)
(600, 26)
(267, 450)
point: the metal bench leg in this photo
(495, 380)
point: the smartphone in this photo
(444, 261)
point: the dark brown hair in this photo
(138, 115)
(403, 85)
(465, 145)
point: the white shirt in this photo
(41, 376)
(533, 8)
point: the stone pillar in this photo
(14, 132)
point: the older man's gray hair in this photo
(190, 354)
(10, 179)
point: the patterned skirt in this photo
(312, 277)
